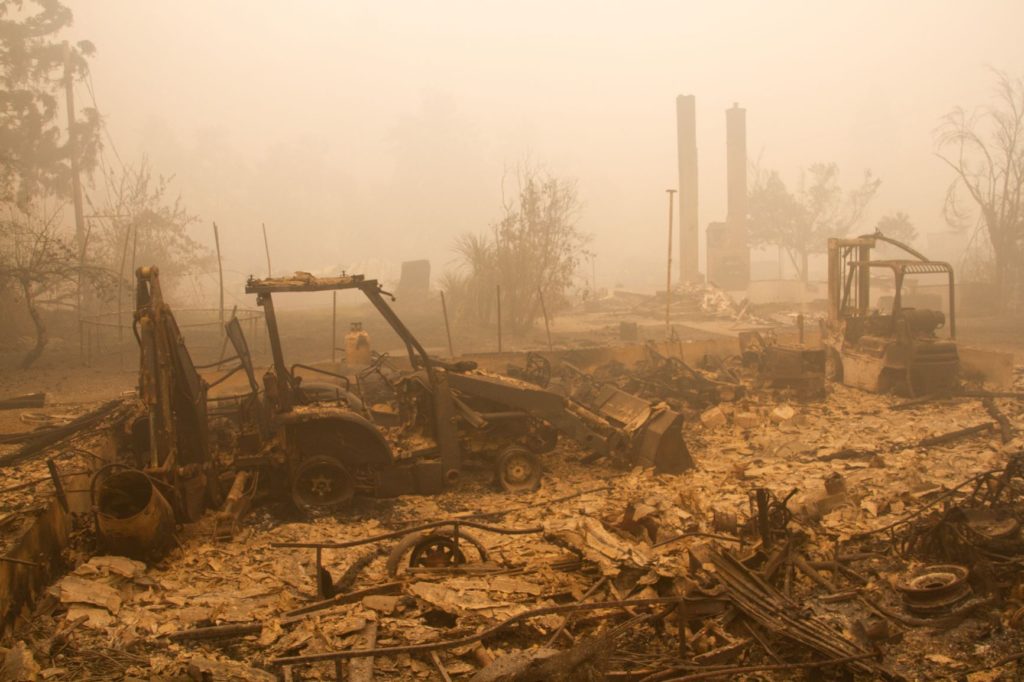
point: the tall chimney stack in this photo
(686, 124)
(736, 164)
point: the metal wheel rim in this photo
(519, 470)
(436, 552)
(321, 483)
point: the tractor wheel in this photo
(321, 483)
(518, 470)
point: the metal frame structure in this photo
(849, 274)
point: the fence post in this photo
(447, 329)
(499, 318)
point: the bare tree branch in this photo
(988, 164)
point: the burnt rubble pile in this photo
(692, 300)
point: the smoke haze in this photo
(364, 134)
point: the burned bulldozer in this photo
(887, 350)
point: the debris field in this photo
(648, 512)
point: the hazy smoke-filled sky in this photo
(373, 132)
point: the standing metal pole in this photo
(266, 247)
(120, 294)
(134, 227)
(334, 324)
(544, 309)
(668, 273)
(76, 182)
(224, 341)
(135, 248)
(499, 318)
(447, 329)
(220, 275)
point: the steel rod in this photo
(266, 247)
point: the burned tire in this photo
(321, 483)
(518, 470)
(433, 549)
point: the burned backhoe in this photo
(896, 350)
(177, 450)
(341, 445)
